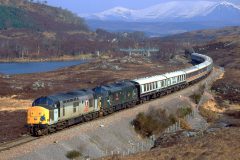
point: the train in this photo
(49, 114)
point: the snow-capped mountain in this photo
(172, 11)
(170, 17)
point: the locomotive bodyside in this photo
(116, 96)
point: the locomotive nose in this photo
(37, 115)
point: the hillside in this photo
(37, 16)
(204, 36)
(36, 30)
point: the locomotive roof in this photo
(114, 87)
(71, 95)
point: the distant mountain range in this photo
(180, 16)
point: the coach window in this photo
(156, 84)
(145, 88)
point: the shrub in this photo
(73, 154)
(182, 112)
(153, 122)
(196, 97)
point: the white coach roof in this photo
(174, 74)
(149, 79)
(191, 69)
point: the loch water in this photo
(12, 68)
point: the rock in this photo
(38, 85)
(6, 76)
(13, 96)
(189, 134)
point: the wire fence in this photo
(177, 126)
(135, 148)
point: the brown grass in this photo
(184, 124)
(12, 104)
(209, 115)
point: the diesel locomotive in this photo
(55, 112)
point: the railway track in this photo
(17, 142)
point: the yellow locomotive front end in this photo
(37, 120)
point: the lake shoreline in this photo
(87, 57)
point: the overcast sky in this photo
(93, 6)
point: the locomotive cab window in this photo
(90, 103)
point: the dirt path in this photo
(30, 149)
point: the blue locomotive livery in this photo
(51, 113)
